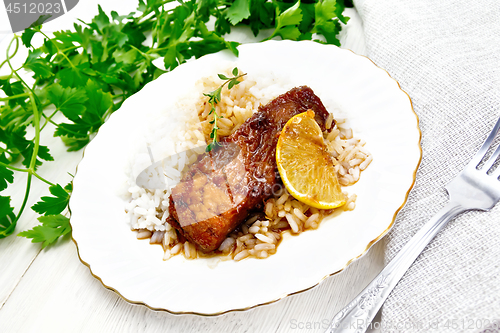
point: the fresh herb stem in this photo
(10, 56)
(108, 113)
(55, 124)
(34, 173)
(14, 97)
(25, 200)
(36, 124)
(234, 79)
(42, 179)
(31, 170)
(71, 48)
(15, 72)
(36, 120)
(146, 13)
(214, 135)
(145, 55)
(214, 98)
(154, 50)
(13, 168)
(48, 119)
(32, 164)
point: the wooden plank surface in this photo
(58, 294)
(52, 291)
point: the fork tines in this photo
(481, 154)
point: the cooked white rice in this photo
(260, 235)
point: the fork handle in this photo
(359, 313)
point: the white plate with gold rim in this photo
(377, 110)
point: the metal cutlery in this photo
(477, 187)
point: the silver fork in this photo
(474, 188)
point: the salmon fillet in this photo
(224, 185)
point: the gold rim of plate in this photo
(368, 246)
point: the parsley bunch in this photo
(86, 73)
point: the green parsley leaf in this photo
(75, 144)
(52, 205)
(127, 57)
(287, 23)
(6, 176)
(222, 25)
(170, 59)
(239, 10)
(204, 8)
(79, 129)
(290, 32)
(339, 9)
(72, 77)
(66, 39)
(40, 67)
(52, 227)
(211, 43)
(7, 217)
(69, 186)
(68, 100)
(325, 11)
(330, 30)
(14, 139)
(262, 15)
(98, 101)
(27, 36)
(101, 20)
(43, 154)
(118, 36)
(291, 16)
(40, 20)
(308, 17)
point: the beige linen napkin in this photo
(446, 56)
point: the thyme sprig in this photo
(214, 98)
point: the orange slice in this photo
(305, 166)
